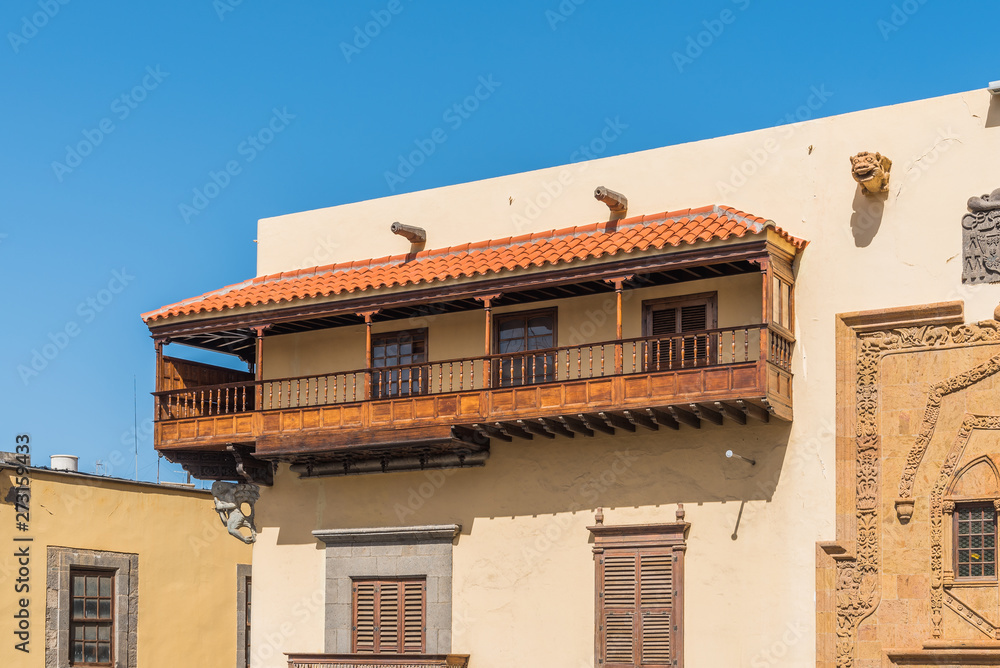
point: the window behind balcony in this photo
(517, 335)
(399, 355)
(679, 326)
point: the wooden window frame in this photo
(108, 622)
(641, 540)
(709, 299)
(424, 373)
(401, 582)
(971, 505)
(500, 318)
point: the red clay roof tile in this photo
(570, 244)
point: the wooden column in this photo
(618, 283)
(367, 315)
(488, 347)
(258, 368)
(767, 297)
(158, 384)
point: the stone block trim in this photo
(243, 572)
(57, 602)
(385, 552)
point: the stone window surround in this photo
(243, 571)
(416, 551)
(60, 560)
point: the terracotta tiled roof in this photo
(571, 244)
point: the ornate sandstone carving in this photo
(933, 411)
(981, 240)
(229, 500)
(971, 616)
(969, 424)
(857, 578)
(871, 170)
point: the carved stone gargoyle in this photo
(871, 170)
(229, 500)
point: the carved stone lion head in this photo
(871, 170)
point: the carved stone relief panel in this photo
(981, 240)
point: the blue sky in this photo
(117, 113)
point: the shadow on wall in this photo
(867, 217)
(993, 116)
(537, 478)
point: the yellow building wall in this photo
(749, 599)
(187, 563)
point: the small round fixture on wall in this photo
(730, 454)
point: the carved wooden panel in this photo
(382, 420)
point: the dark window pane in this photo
(77, 608)
(90, 633)
(976, 542)
(91, 611)
(78, 651)
(78, 585)
(77, 633)
(105, 586)
(90, 653)
(105, 609)
(104, 633)
(104, 653)
(91, 586)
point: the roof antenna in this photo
(135, 427)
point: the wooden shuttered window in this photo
(636, 599)
(389, 616)
(680, 324)
(640, 594)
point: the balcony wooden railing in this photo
(377, 660)
(644, 355)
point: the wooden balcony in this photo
(377, 660)
(437, 409)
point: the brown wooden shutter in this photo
(671, 351)
(663, 322)
(413, 616)
(618, 594)
(389, 616)
(656, 597)
(636, 599)
(364, 616)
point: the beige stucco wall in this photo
(452, 336)
(187, 563)
(750, 600)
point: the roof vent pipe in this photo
(416, 235)
(617, 202)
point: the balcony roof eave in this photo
(342, 310)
